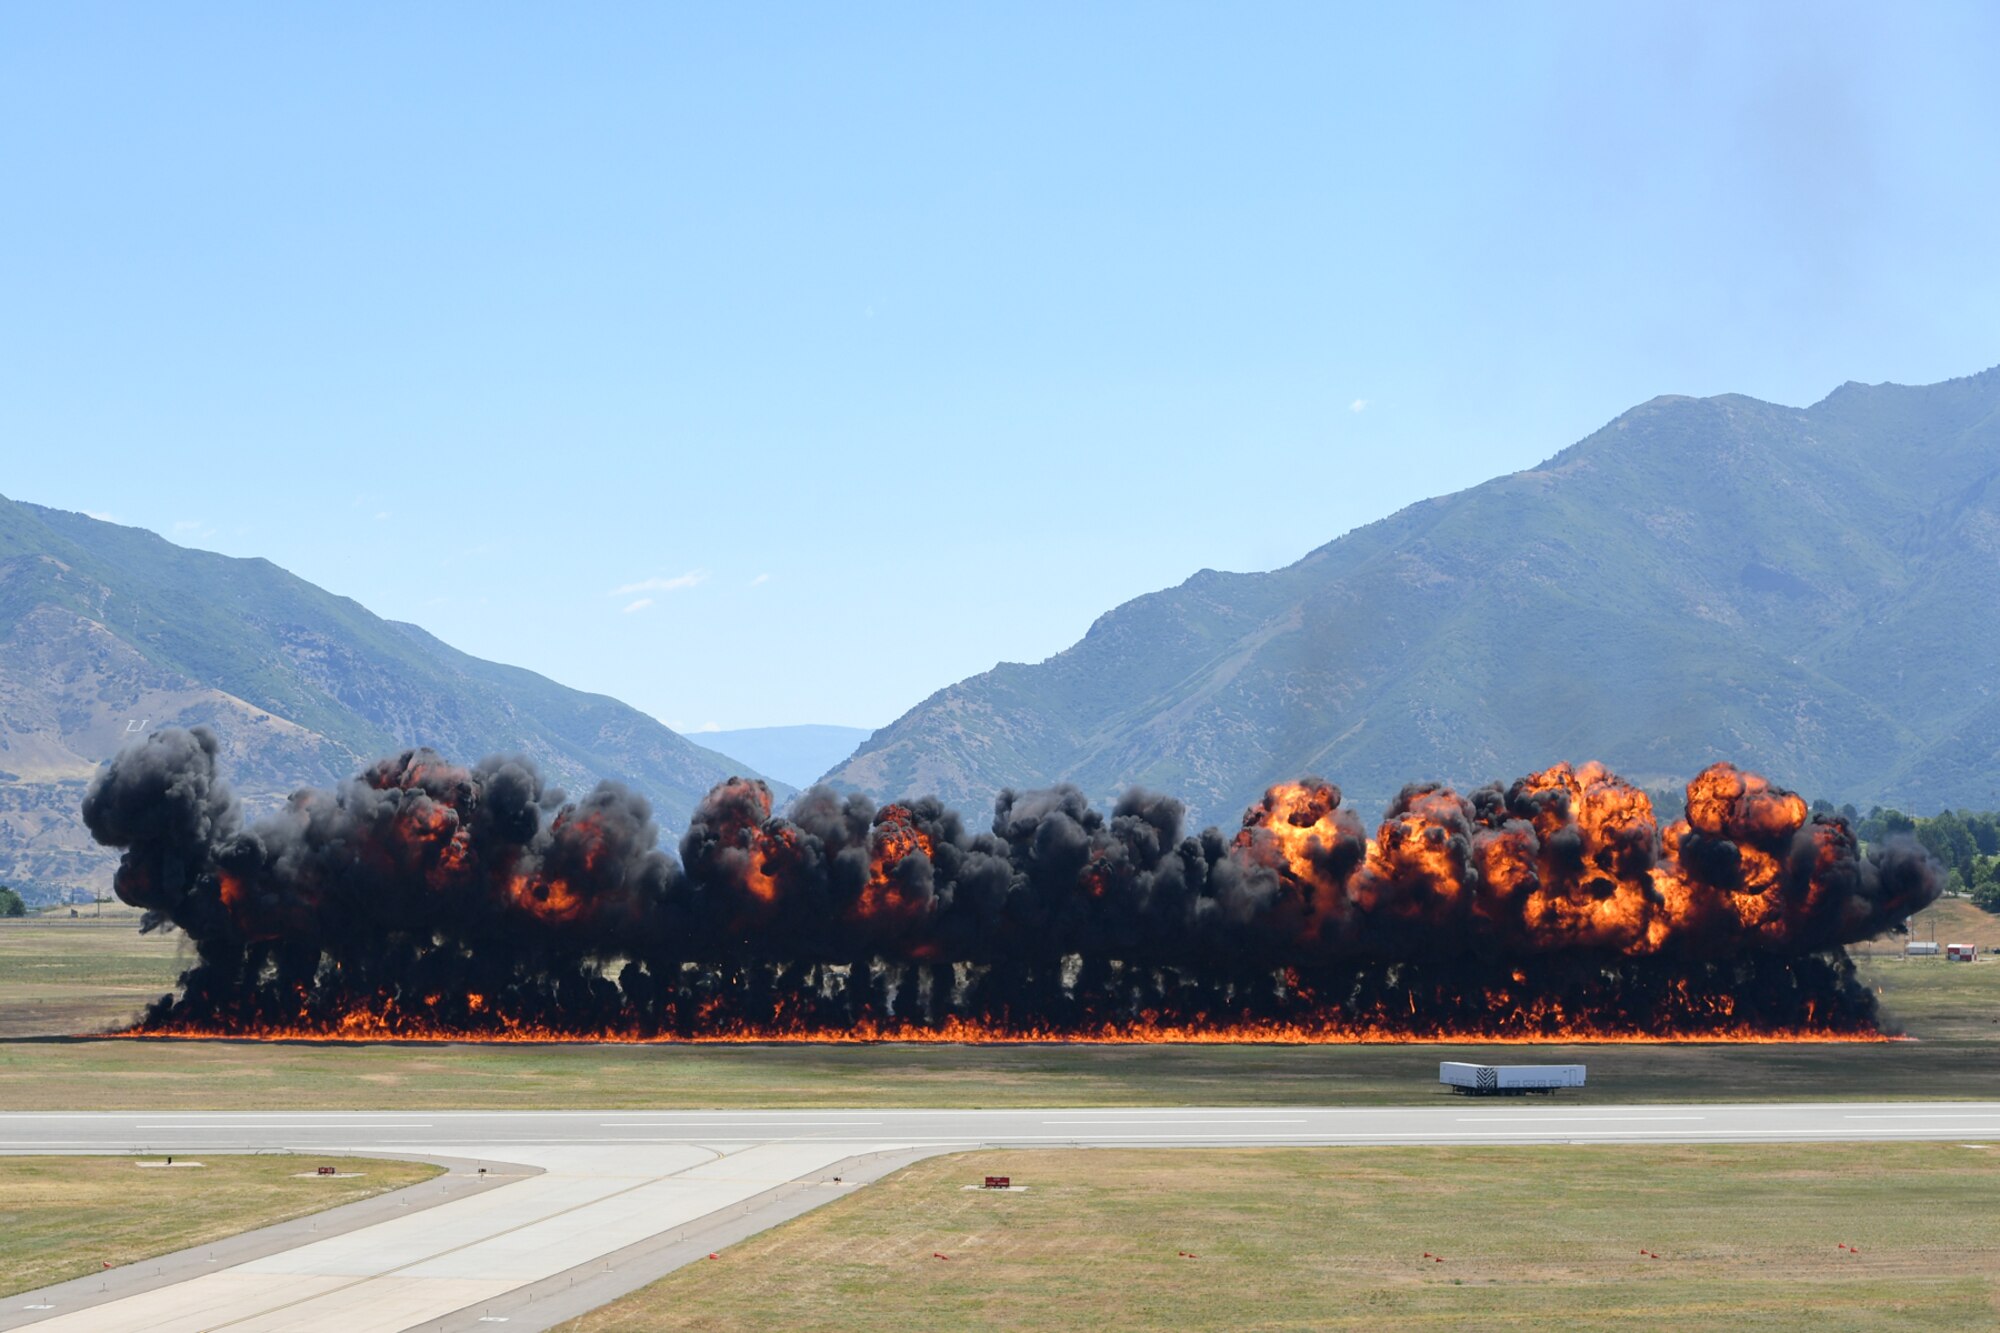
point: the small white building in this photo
(1921, 948)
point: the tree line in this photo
(1965, 842)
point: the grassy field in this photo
(1951, 921)
(59, 977)
(63, 1217)
(63, 974)
(1747, 1238)
(1287, 1239)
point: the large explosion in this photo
(423, 900)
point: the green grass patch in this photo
(1747, 1238)
(64, 1217)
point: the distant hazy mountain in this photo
(108, 631)
(1814, 592)
(798, 755)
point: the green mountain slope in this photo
(1814, 592)
(110, 631)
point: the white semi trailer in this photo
(1508, 1080)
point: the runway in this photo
(601, 1202)
(472, 1134)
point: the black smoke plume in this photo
(425, 899)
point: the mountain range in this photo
(1811, 592)
(112, 631)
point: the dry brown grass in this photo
(1950, 921)
(61, 974)
(63, 1217)
(1747, 1237)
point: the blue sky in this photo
(785, 363)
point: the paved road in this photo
(1459, 1120)
(610, 1200)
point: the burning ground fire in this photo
(427, 901)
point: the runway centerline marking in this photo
(294, 1124)
(1215, 1119)
(1565, 1119)
(736, 1124)
(1929, 1115)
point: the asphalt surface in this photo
(473, 1134)
(591, 1204)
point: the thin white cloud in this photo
(760, 580)
(381, 514)
(100, 516)
(187, 525)
(639, 605)
(706, 726)
(677, 582)
(1358, 405)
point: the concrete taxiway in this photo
(578, 1207)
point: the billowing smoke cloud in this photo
(165, 795)
(426, 899)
